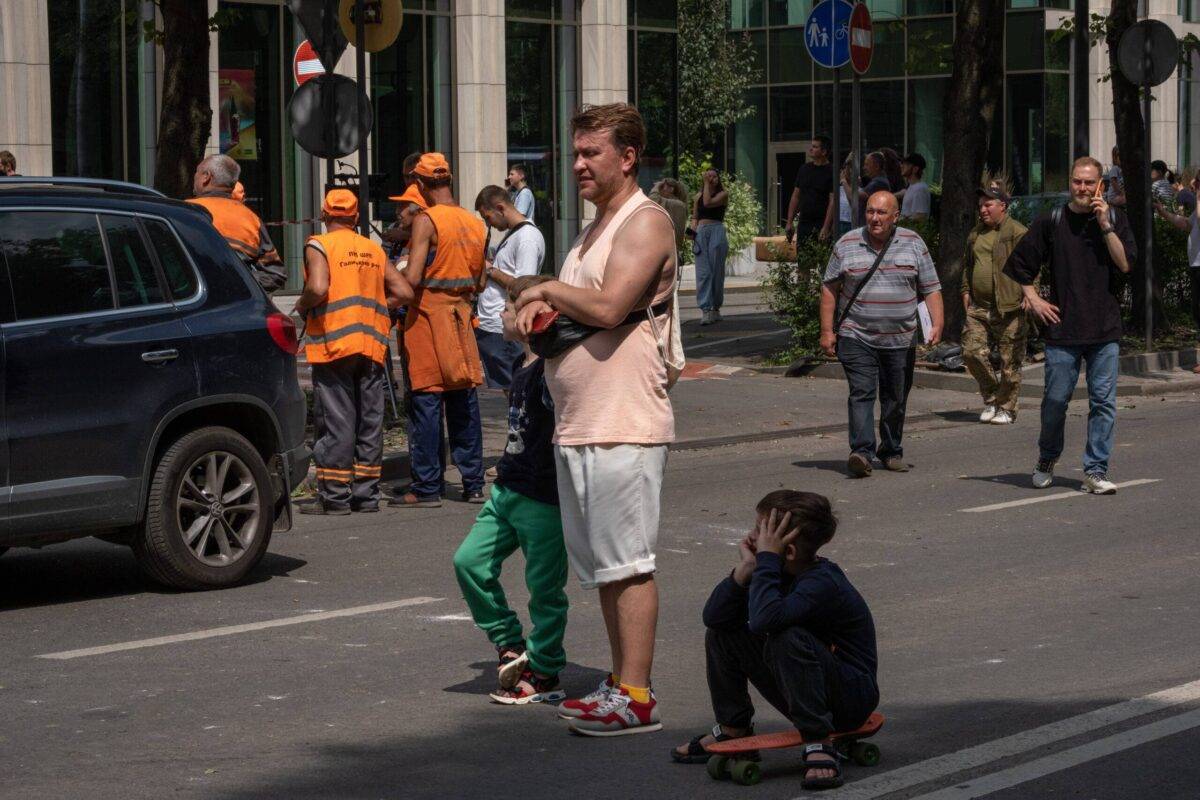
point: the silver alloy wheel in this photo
(218, 508)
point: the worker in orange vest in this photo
(213, 184)
(445, 269)
(348, 286)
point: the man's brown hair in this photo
(490, 195)
(7, 161)
(623, 122)
(811, 515)
(1088, 161)
(524, 282)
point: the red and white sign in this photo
(862, 39)
(306, 65)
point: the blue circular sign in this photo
(827, 33)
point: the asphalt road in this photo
(1011, 642)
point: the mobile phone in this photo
(543, 321)
(1099, 190)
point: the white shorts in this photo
(609, 496)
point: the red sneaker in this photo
(619, 715)
(570, 709)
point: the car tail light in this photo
(283, 332)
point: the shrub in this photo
(743, 213)
(792, 290)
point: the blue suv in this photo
(148, 390)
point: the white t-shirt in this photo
(844, 208)
(520, 253)
(523, 202)
(917, 200)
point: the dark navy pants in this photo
(876, 372)
(425, 437)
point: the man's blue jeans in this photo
(425, 439)
(1062, 373)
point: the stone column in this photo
(25, 82)
(604, 67)
(481, 140)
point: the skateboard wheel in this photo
(718, 768)
(746, 773)
(865, 754)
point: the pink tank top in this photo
(612, 388)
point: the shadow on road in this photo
(1021, 480)
(576, 679)
(90, 570)
(838, 466)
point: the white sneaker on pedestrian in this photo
(717, 315)
(1043, 474)
(988, 414)
(1002, 417)
(1098, 483)
(706, 317)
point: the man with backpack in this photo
(1088, 245)
(876, 277)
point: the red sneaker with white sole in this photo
(570, 709)
(619, 715)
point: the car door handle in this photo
(160, 356)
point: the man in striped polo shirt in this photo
(874, 339)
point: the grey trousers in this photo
(348, 416)
(711, 249)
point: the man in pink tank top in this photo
(613, 420)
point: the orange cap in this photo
(432, 165)
(340, 203)
(411, 195)
(239, 192)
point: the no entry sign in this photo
(306, 64)
(862, 39)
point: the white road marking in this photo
(1016, 744)
(232, 629)
(1039, 768)
(1028, 501)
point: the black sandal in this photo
(696, 754)
(816, 784)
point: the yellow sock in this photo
(615, 678)
(638, 693)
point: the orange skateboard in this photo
(724, 762)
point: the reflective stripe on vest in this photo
(354, 319)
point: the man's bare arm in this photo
(639, 252)
(399, 293)
(418, 248)
(316, 280)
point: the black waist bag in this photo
(564, 332)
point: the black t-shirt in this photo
(527, 466)
(815, 183)
(1084, 282)
(877, 184)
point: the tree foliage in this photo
(715, 69)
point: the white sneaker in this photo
(988, 414)
(1043, 474)
(706, 317)
(1002, 417)
(1098, 483)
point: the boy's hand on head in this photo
(772, 533)
(747, 562)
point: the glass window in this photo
(791, 113)
(921, 7)
(1058, 132)
(790, 62)
(887, 129)
(532, 9)
(94, 109)
(823, 115)
(931, 46)
(887, 60)
(886, 9)
(788, 12)
(655, 13)
(181, 280)
(56, 263)
(655, 98)
(749, 145)
(925, 114)
(747, 14)
(1023, 41)
(1058, 54)
(1025, 127)
(1189, 113)
(1190, 9)
(758, 44)
(137, 283)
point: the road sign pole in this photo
(856, 146)
(1148, 218)
(364, 169)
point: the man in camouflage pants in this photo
(994, 308)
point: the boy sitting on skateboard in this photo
(792, 624)
(521, 512)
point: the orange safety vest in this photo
(238, 224)
(354, 319)
(439, 338)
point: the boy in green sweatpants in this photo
(521, 512)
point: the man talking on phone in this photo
(1089, 247)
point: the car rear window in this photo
(181, 279)
(137, 281)
(56, 263)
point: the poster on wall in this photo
(235, 94)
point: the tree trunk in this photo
(970, 105)
(185, 116)
(1127, 113)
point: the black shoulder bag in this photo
(837, 326)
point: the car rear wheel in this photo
(209, 518)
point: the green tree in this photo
(715, 68)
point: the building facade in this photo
(489, 83)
